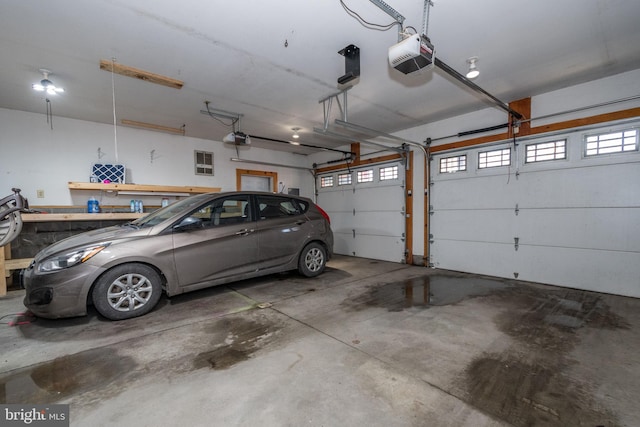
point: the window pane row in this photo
(495, 158)
(453, 164)
(614, 142)
(544, 151)
(362, 176)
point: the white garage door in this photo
(367, 211)
(557, 210)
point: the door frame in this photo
(272, 175)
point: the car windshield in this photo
(163, 214)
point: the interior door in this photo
(224, 246)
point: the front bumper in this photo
(60, 294)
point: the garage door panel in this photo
(581, 228)
(376, 199)
(474, 225)
(342, 221)
(607, 271)
(484, 192)
(493, 259)
(599, 185)
(385, 248)
(344, 243)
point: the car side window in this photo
(219, 212)
(277, 207)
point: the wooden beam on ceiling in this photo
(112, 66)
(180, 130)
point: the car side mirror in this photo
(188, 223)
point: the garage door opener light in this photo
(473, 71)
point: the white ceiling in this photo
(272, 61)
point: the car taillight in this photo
(324, 214)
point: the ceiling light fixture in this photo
(473, 71)
(46, 85)
(295, 133)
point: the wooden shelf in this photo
(142, 188)
(81, 217)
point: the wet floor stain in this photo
(243, 338)
(424, 292)
(527, 384)
(549, 319)
(65, 376)
(531, 394)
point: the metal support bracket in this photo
(351, 55)
(327, 102)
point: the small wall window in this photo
(494, 159)
(544, 151)
(365, 176)
(390, 172)
(203, 163)
(453, 164)
(344, 179)
(326, 181)
(613, 142)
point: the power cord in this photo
(25, 318)
(367, 23)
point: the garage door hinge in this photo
(430, 238)
(430, 209)
(354, 232)
(516, 242)
(517, 209)
(354, 211)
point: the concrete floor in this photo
(368, 343)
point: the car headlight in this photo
(70, 259)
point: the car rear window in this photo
(279, 207)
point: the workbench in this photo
(7, 264)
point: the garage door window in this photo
(387, 173)
(365, 176)
(613, 142)
(453, 164)
(544, 151)
(344, 179)
(326, 181)
(494, 159)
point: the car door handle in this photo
(300, 222)
(244, 232)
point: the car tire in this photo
(127, 291)
(313, 260)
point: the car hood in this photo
(102, 235)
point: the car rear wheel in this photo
(312, 260)
(126, 291)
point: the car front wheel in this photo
(126, 291)
(313, 260)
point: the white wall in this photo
(35, 157)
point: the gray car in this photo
(194, 243)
